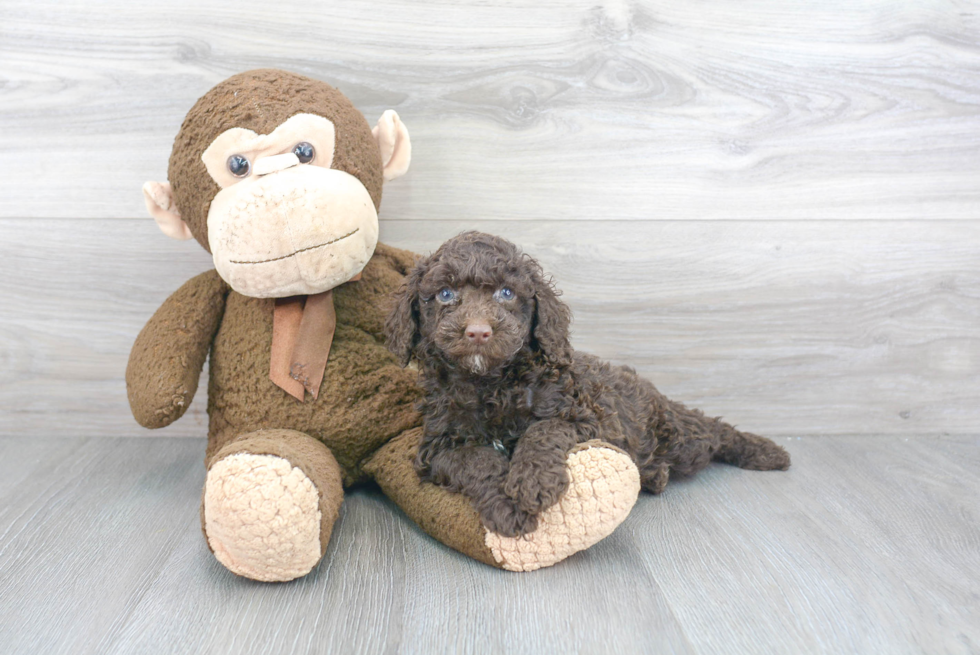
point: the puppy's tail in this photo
(748, 451)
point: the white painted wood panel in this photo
(843, 327)
(571, 109)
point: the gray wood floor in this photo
(867, 545)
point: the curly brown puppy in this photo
(506, 396)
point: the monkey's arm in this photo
(166, 360)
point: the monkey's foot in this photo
(603, 486)
(270, 501)
(262, 517)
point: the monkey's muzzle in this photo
(297, 230)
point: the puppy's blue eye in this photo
(506, 293)
(447, 295)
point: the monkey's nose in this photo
(274, 163)
(478, 333)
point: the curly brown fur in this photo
(506, 397)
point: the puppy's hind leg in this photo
(688, 440)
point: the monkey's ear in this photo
(396, 148)
(159, 199)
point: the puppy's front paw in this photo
(503, 516)
(536, 487)
(603, 485)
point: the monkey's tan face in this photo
(284, 222)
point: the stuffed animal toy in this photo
(279, 177)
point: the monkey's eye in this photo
(304, 152)
(446, 295)
(239, 166)
(505, 293)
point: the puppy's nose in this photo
(478, 333)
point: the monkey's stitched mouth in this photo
(276, 259)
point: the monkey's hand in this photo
(166, 361)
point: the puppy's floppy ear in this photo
(402, 324)
(551, 320)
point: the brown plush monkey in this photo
(279, 177)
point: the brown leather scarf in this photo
(302, 333)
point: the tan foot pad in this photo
(262, 517)
(604, 485)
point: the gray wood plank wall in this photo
(769, 208)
